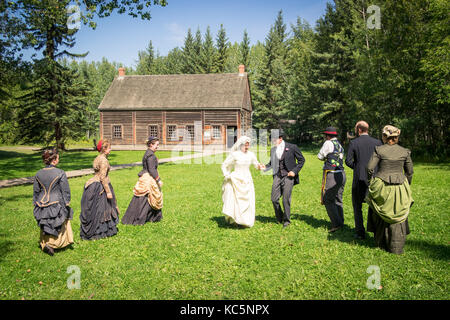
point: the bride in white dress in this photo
(238, 192)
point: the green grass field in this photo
(19, 163)
(194, 254)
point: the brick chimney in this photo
(241, 69)
(121, 72)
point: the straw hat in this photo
(391, 131)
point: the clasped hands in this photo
(261, 166)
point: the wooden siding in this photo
(183, 117)
(221, 117)
(246, 120)
(145, 119)
(135, 124)
(123, 118)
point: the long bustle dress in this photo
(146, 204)
(389, 196)
(51, 197)
(99, 215)
(238, 191)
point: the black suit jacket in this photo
(359, 152)
(293, 159)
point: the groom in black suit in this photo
(286, 160)
(359, 152)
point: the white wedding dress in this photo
(238, 191)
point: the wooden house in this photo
(180, 109)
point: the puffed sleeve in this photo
(408, 167)
(327, 148)
(373, 163)
(253, 160)
(103, 173)
(65, 188)
(227, 165)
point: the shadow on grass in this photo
(222, 223)
(265, 219)
(5, 246)
(433, 250)
(313, 222)
(13, 162)
(23, 196)
(345, 234)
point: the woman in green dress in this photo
(389, 195)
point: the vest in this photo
(334, 160)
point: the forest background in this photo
(387, 69)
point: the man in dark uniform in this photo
(286, 160)
(359, 152)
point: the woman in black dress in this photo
(99, 212)
(147, 201)
(51, 198)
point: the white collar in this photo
(280, 149)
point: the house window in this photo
(117, 132)
(172, 133)
(153, 131)
(190, 132)
(217, 133)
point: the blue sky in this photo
(120, 37)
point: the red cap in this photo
(99, 146)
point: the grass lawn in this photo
(19, 162)
(193, 254)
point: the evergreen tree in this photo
(233, 58)
(299, 61)
(222, 45)
(54, 109)
(335, 68)
(244, 49)
(48, 30)
(174, 61)
(44, 28)
(198, 48)
(270, 91)
(208, 53)
(189, 53)
(146, 60)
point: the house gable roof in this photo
(178, 92)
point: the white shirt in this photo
(327, 148)
(280, 150)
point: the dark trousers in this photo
(332, 198)
(359, 191)
(282, 187)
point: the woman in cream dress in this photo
(238, 192)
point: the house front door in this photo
(231, 136)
